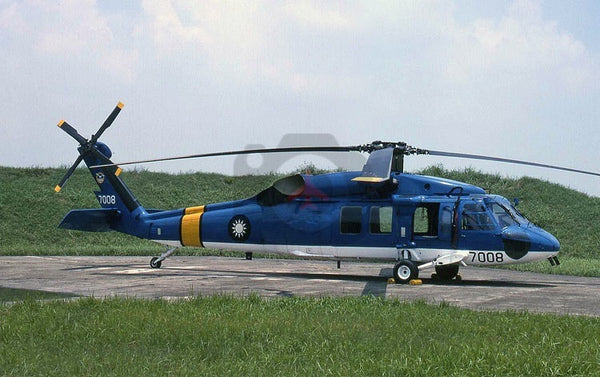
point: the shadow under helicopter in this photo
(376, 285)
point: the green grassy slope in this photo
(31, 210)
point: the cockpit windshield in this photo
(502, 215)
(504, 212)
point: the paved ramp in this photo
(480, 289)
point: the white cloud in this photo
(71, 29)
(246, 42)
(320, 15)
(521, 48)
(12, 21)
(121, 63)
(168, 31)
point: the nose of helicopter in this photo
(519, 241)
(554, 244)
(543, 240)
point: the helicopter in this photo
(381, 213)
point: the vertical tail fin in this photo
(113, 193)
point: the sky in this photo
(516, 79)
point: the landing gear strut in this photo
(156, 262)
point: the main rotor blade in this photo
(72, 132)
(507, 160)
(107, 122)
(241, 152)
(68, 174)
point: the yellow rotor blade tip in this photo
(62, 121)
(57, 188)
(120, 105)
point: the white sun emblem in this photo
(239, 228)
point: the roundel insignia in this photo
(100, 178)
(239, 228)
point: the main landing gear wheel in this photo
(447, 272)
(155, 263)
(405, 271)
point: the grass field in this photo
(221, 336)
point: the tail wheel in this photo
(447, 272)
(405, 271)
(155, 263)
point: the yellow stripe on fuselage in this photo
(190, 226)
(192, 210)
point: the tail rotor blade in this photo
(68, 174)
(107, 122)
(72, 132)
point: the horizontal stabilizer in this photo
(370, 179)
(378, 167)
(90, 220)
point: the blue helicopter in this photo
(380, 213)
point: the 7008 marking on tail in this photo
(107, 199)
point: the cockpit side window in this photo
(475, 217)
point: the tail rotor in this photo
(86, 147)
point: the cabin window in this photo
(475, 217)
(425, 220)
(351, 220)
(380, 220)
